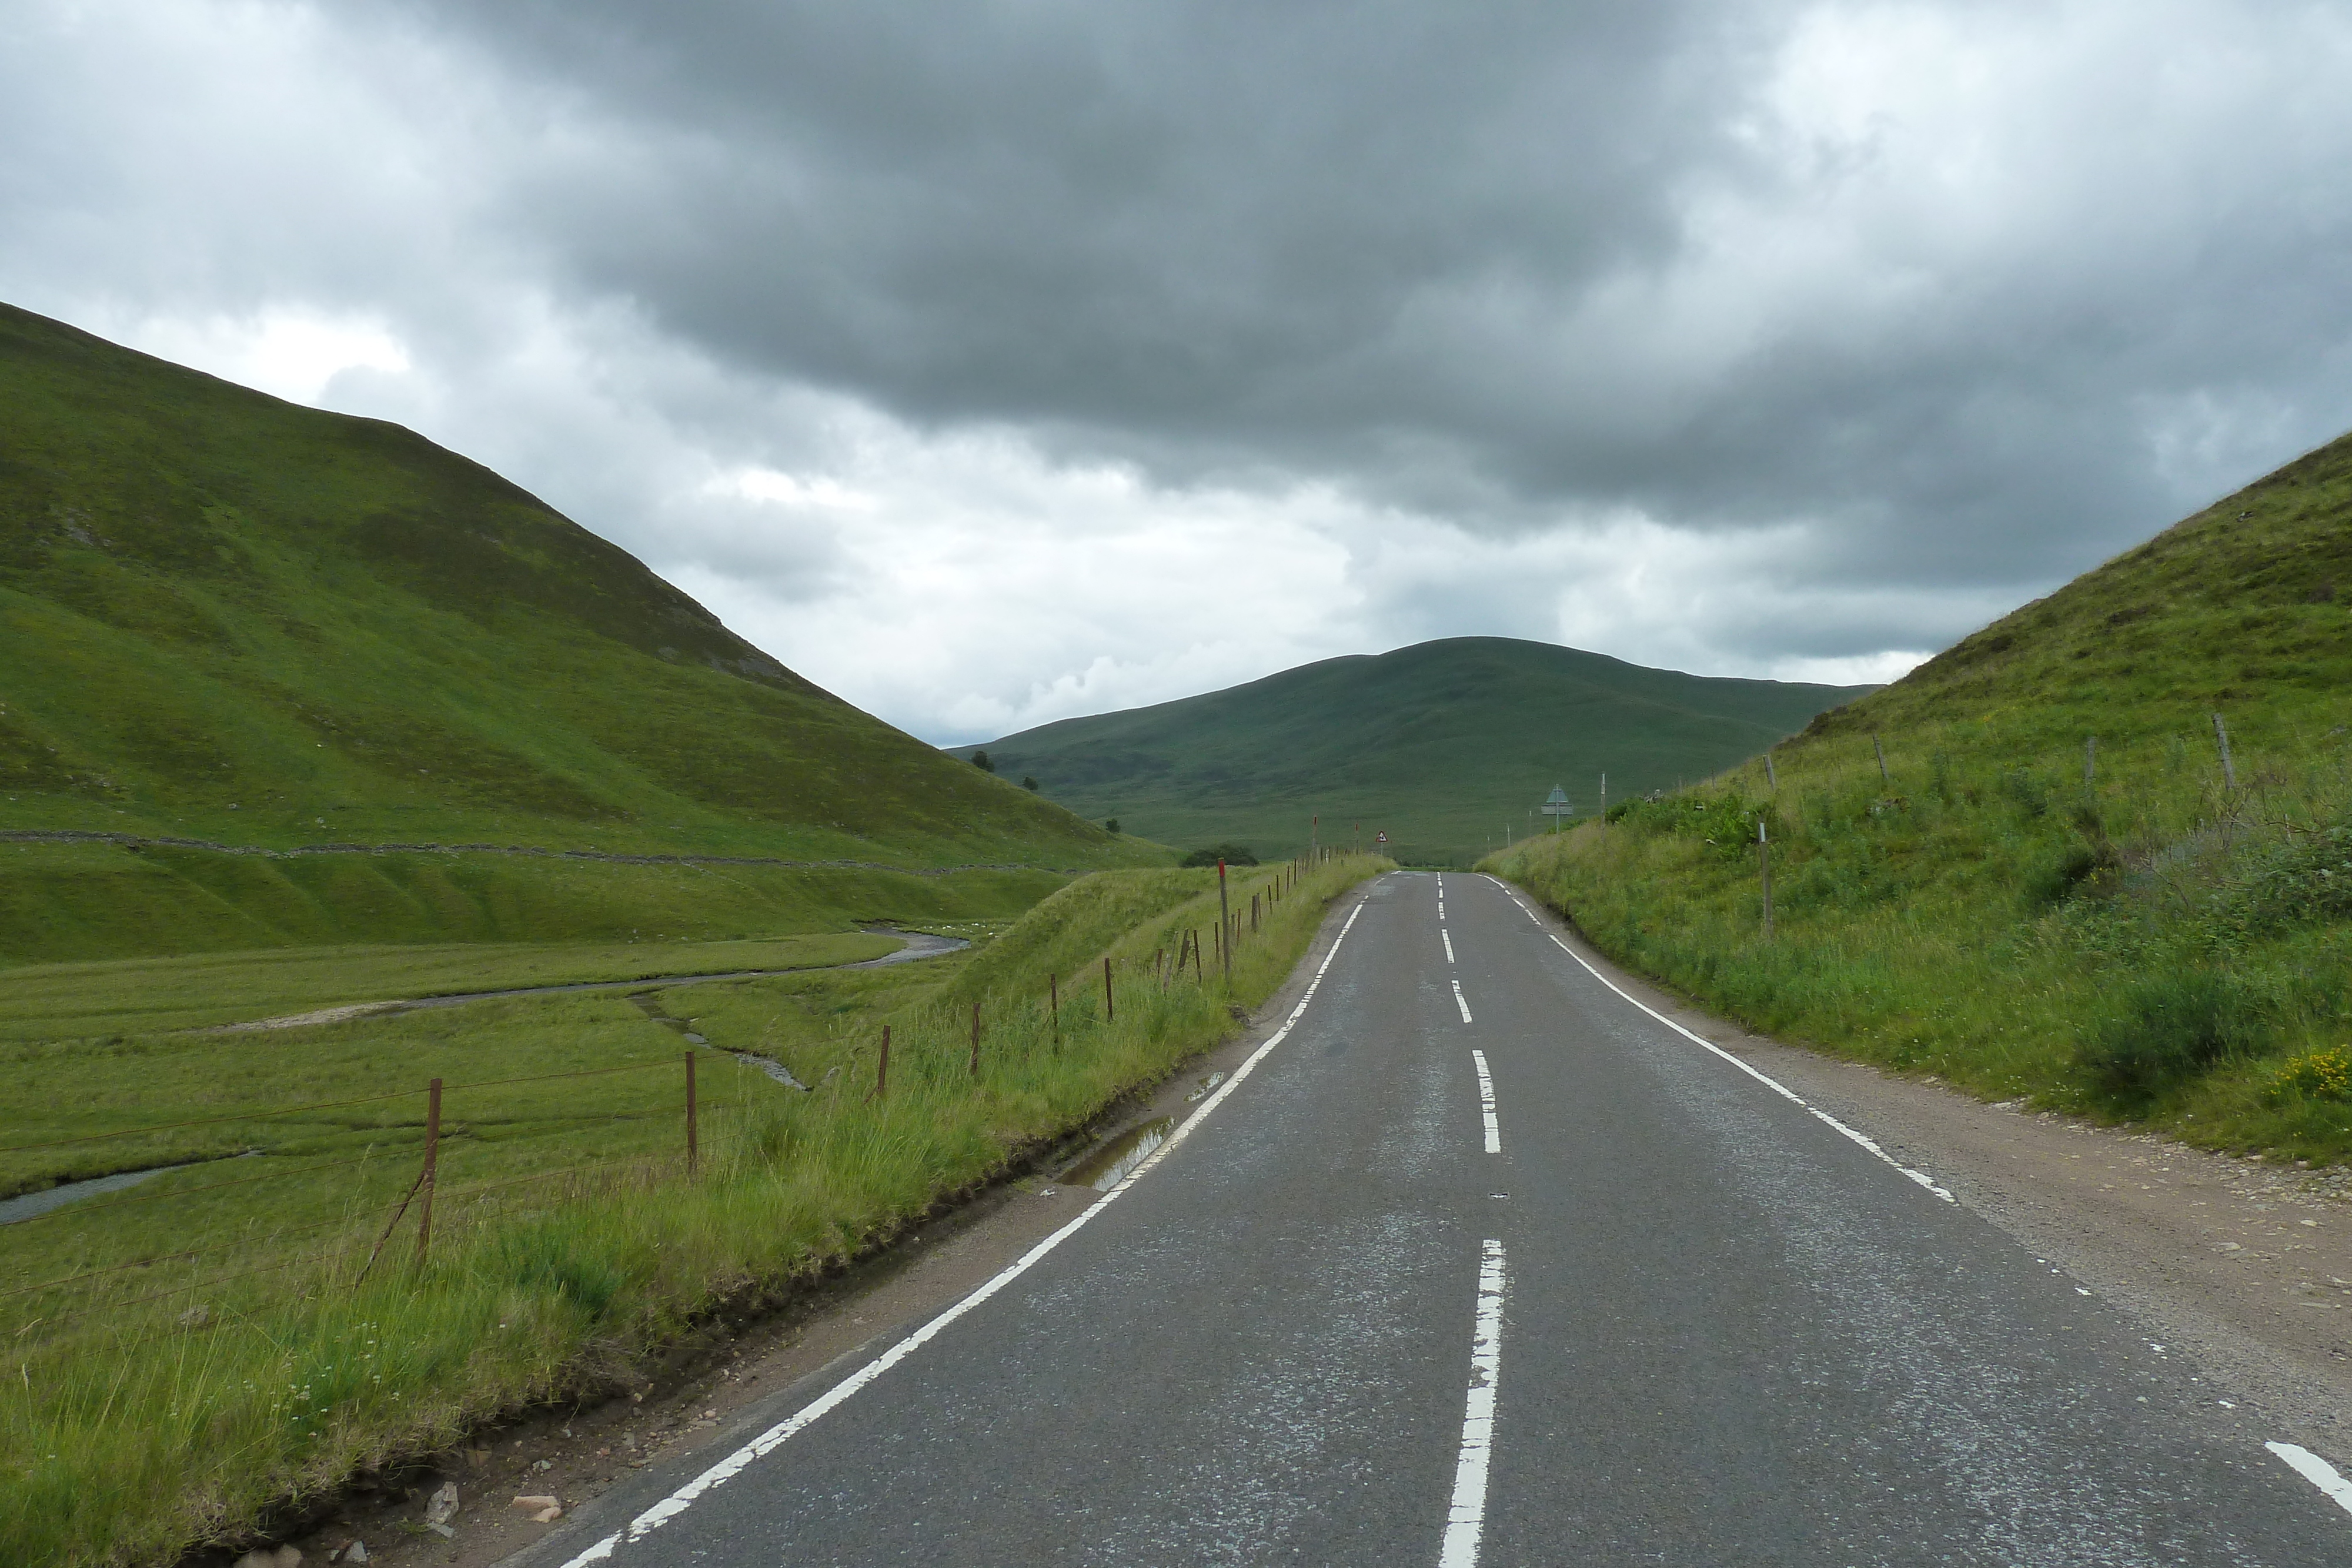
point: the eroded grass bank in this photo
(141, 1422)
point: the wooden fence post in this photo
(975, 1040)
(1880, 751)
(693, 1146)
(2090, 760)
(882, 1067)
(1772, 774)
(1764, 866)
(1224, 925)
(2229, 768)
(1110, 1008)
(432, 1163)
(1054, 995)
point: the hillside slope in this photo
(2061, 885)
(1439, 744)
(230, 618)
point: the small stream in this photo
(32, 1205)
(651, 1007)
(919, 945)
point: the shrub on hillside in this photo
(2091, 864)
(2168, 1027)
(1232, 854)
(2309, 878)
(1726, 824)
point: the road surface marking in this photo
(728, 1469)
(1460, 1003)
(2315, 1470)
(1468, 1516)
(1486, 1104)
(1449, 945)
(1774, 1084)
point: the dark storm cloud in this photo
(1450, 255)
(994, 363)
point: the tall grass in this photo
(2153, 945)
(127, 1435)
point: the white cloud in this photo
(292, 353)
(818, 491)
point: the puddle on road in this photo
(1211, 1081)
(1108, 1165)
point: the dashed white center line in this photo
(1449, 945)
(1466, 1519)
(1486, 1102)
(2315, 1470)
(1460, 1003)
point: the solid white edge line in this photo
(1922, 1177)
(1460, 1003)
(726, 1469)
(1465, 1518)
(2315, 1470)
(1486, 1102)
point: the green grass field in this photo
(1448, 746)
(73, 1003)
(2165, 941)
(196, 1347)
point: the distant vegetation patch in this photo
(1231, 854)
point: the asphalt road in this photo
(1480, 1262)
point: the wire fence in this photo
(353, 1217)
(271, 1238)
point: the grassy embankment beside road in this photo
(176, 1401)
(2159, 944)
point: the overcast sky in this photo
(995, 362)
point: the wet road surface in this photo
(1480, 1262)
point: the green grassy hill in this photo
(2167, 938)
(231, 619)
(1441, 745)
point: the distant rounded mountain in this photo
(1445, 745)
